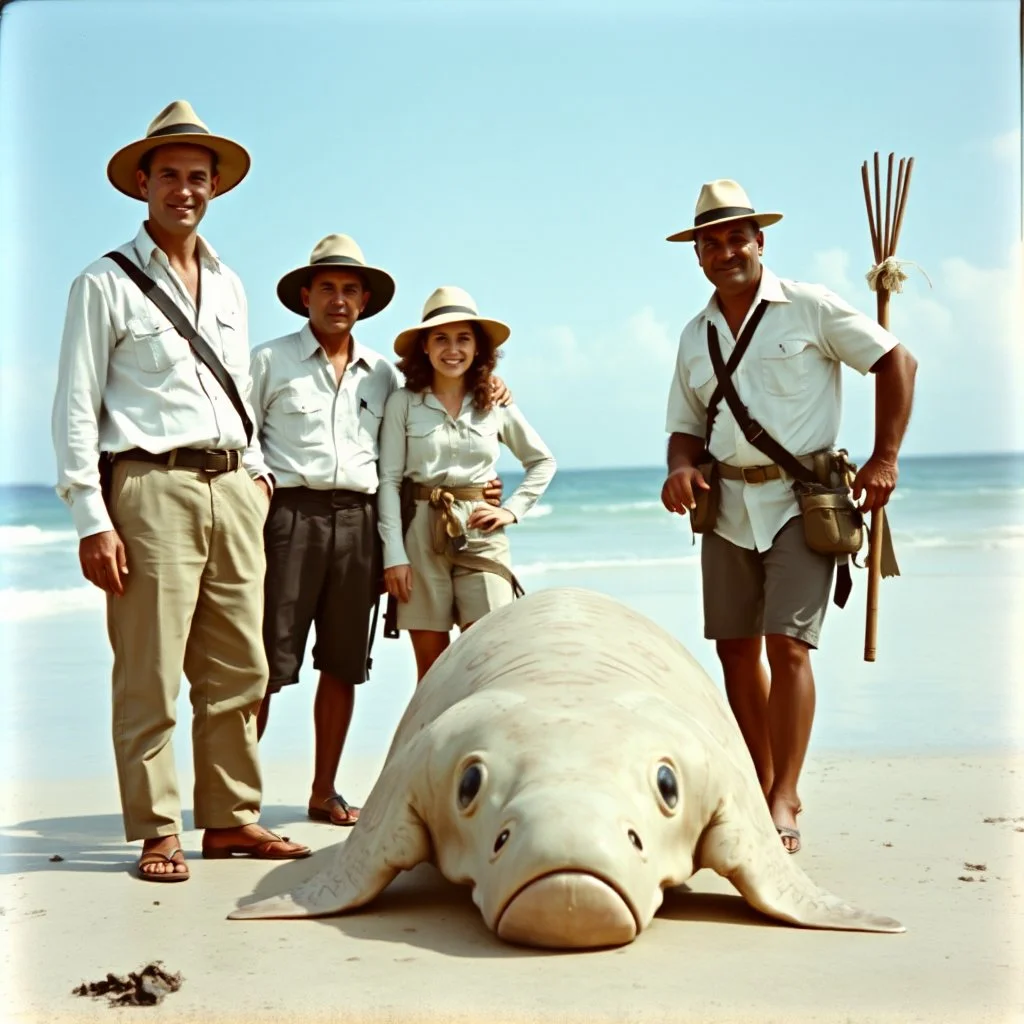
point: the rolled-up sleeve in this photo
(849, 335)
(527, 446)
(75, 422)
(685, 414)
(390, 469)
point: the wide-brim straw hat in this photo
(178, 125)
(449, 305)
(337, 252)
(719, 202)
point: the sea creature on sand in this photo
(570, 760)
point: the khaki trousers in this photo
(193, 603)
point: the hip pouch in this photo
(833, 525)
(705, 513)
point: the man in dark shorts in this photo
(763, 586)
(319, 397)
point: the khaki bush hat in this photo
(177, 124)
(719, 202)
(337, 252)
(449, 305)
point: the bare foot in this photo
(162, 856)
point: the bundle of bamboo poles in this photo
(885, 276)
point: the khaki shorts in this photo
(444, 595)
(784, 590)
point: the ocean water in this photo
(947, 675)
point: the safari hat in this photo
(177, 124)
(449, 305)
(719, 202)
(336, 252)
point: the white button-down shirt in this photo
(420, 439)
(790, 381)
(128, 379)
(316, 431)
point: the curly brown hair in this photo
(419, 374)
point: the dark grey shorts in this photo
(323, 568)
(784, 590)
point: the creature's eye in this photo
(668, 785)
(470, 783)
(501, 840)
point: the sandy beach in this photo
(915, 772)
(935, 842)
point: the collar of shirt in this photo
(429, 399)
(147, 249)
(770, 288)
(309, 346)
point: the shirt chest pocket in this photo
(371, 412)
(303, 417)
(701, 376)
(483, 437)
(155, 344)
(784, 366)
(235, 352)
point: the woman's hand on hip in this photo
(488, 519)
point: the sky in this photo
(537, 154)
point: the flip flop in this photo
(324, 813)
(789, 833)
(154, 857)
(260, 850)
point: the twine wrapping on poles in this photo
(890, 276)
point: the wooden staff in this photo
(884, 237)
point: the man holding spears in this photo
(764, 588)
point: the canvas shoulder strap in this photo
(742, 344)
(180, 323)
(752, 430)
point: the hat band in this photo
(349, 260)
(178, 129)
(442, 310)
(722, 213)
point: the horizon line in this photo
(1006, 452)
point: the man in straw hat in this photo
(168, 491)
(319, 398)
(760, 578)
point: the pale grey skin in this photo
(570, 703)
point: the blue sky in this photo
(537, 154)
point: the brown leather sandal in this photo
(155, 857)
(324, 813)
(260, 849)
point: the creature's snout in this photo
(568, 910)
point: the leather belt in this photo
(311, 496)
(210, 460)
(749, 474)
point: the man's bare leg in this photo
(790, 717)
(332, 714)
(428, 646)
(746, 686)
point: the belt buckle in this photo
(759, 470)
(212, 456)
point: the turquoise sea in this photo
(947, 676)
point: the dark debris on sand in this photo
(140, 988)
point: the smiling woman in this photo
(450, 563)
